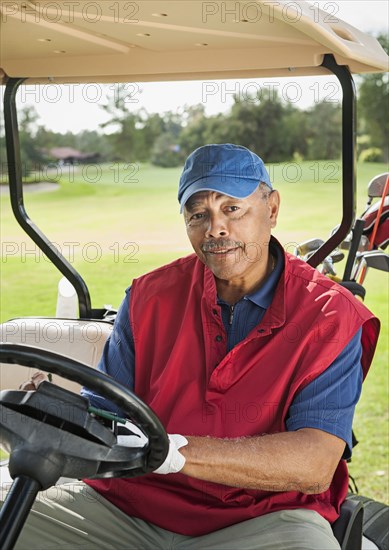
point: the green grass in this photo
(369, 465)
(112, 231)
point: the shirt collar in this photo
(264, 295)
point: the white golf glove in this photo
(130, 435)
(175, 461)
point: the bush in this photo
(374, 154)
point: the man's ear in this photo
(274, 207)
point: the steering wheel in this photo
(50, 433)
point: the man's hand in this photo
(33, 384)
(175, 461)
(130, 435)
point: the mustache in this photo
(218, 244)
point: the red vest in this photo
(183, 373)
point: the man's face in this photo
(231, 236)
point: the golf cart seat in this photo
(348, 527)
(80, 339)
(375, 522)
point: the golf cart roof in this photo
(84, 41)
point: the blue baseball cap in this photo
(226, 168)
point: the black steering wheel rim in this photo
(133, 407)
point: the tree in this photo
(136, 131)
(146, 133)
(264, 124)
(373, 105)
(195, 133)
(90, 141)
(124, 122)
(166, 151)
(32, 155)
(324, 127)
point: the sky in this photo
(78, 107)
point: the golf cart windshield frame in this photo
(46, 246)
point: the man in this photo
(252, 360)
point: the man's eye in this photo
(232, 208)
(196, 217)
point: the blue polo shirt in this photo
(327, 403)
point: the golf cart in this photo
(65, 43)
